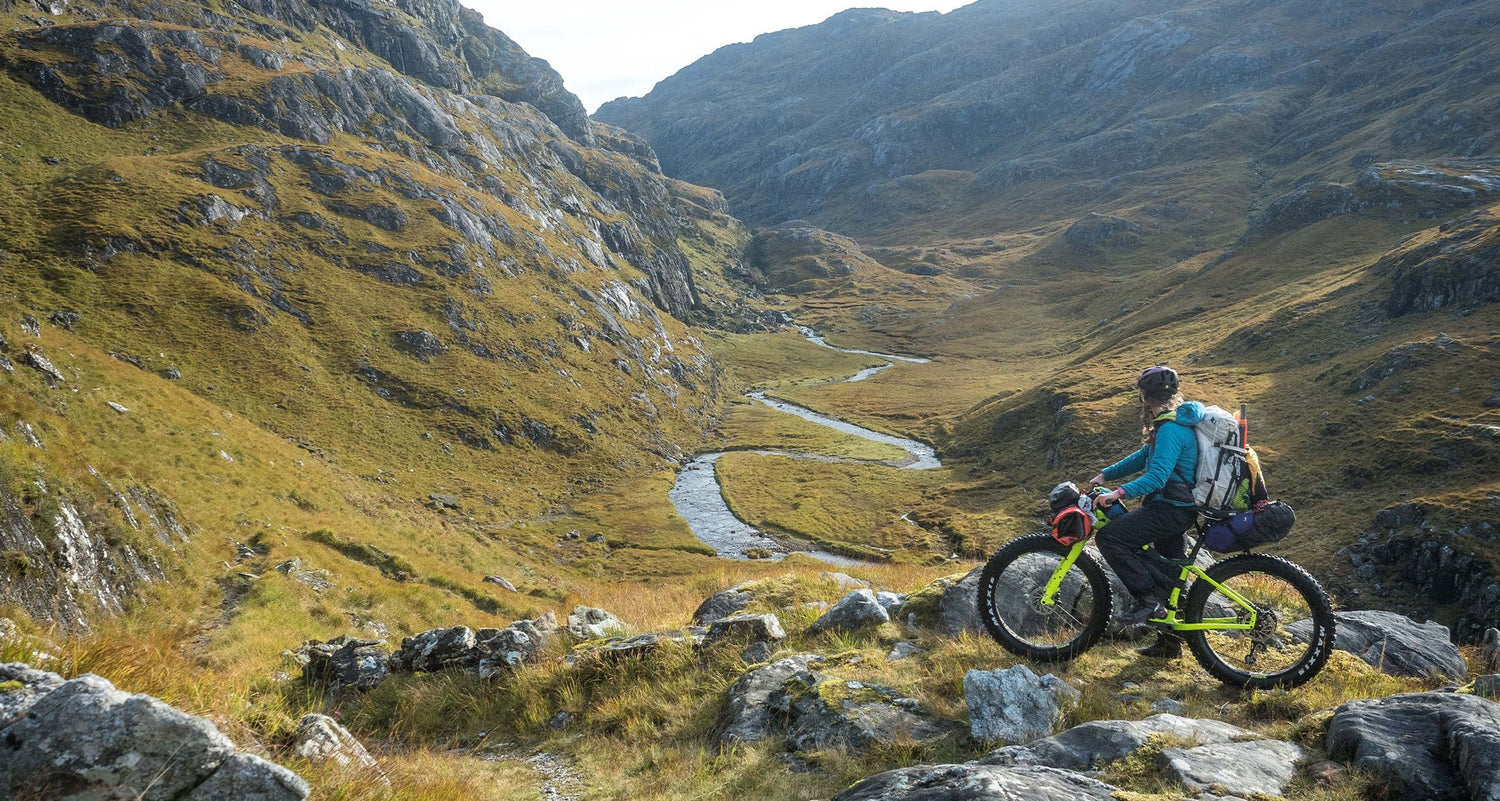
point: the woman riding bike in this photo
(1167, 459)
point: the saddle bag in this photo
(1268, 522)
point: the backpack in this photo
(1228, 476)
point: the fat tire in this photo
(1322, 635)
(1092, 571)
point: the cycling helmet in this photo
(1158, 380)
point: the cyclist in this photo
(1167, 459)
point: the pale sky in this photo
(606, 49)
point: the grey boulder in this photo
(857, 610)
(746, 717)
(1014, 704)
(752, 628)
(244, 777)
(320, 738)
(1241, 768)
(1090, 745)
(87, 740)
(958, 608)
(346, 662)
(588, 623)
(436, 649)
(721, 605)
(1394, 643)
(1422, 745)
(975, 782)
(29, 685)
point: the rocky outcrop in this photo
(488, 652)
(62, 564)
(588, 623)
(1246, 769)
(720, 605)
(1094, 229)
(1425, 745)
(857, 610)
(85, 739)
(977, 782)
(1091, 745)
(796, 257)
(1014, 705)
(1459, 267)
(345, 662)
(1394, 643)
(816, 710)
(320, 738)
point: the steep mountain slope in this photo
(878, 123)
(381, 233)
(1290, 202)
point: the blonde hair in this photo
(1153, 405)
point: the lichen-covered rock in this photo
(1394, 643)
(85, 739)
(721, 604)
(976, 782)
(857, 610)
(20, 687)
(588, 623)
(346, 662)
(755, 628)
(746, 717)
(822, 711)
(1422, 745)
(1090, 745)
(1241, 768)
(1014, 704)
(435, 650)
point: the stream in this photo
(699, 498)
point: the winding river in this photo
(700, 499)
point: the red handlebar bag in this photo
(1071, 525)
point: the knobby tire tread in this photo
(1322, 635)
(1092, 571)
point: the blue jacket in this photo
(1171, 457)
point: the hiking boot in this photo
(1167, 646)
(1141, 611)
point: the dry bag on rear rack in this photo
(1268, 522)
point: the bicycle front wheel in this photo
(1278, 623)
(1021, 615)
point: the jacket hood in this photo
(1189, 413)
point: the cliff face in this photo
(1027, 110)
(380, 231)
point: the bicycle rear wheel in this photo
(1011, 590)
(1292, 635)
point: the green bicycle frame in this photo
(1186, 570)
